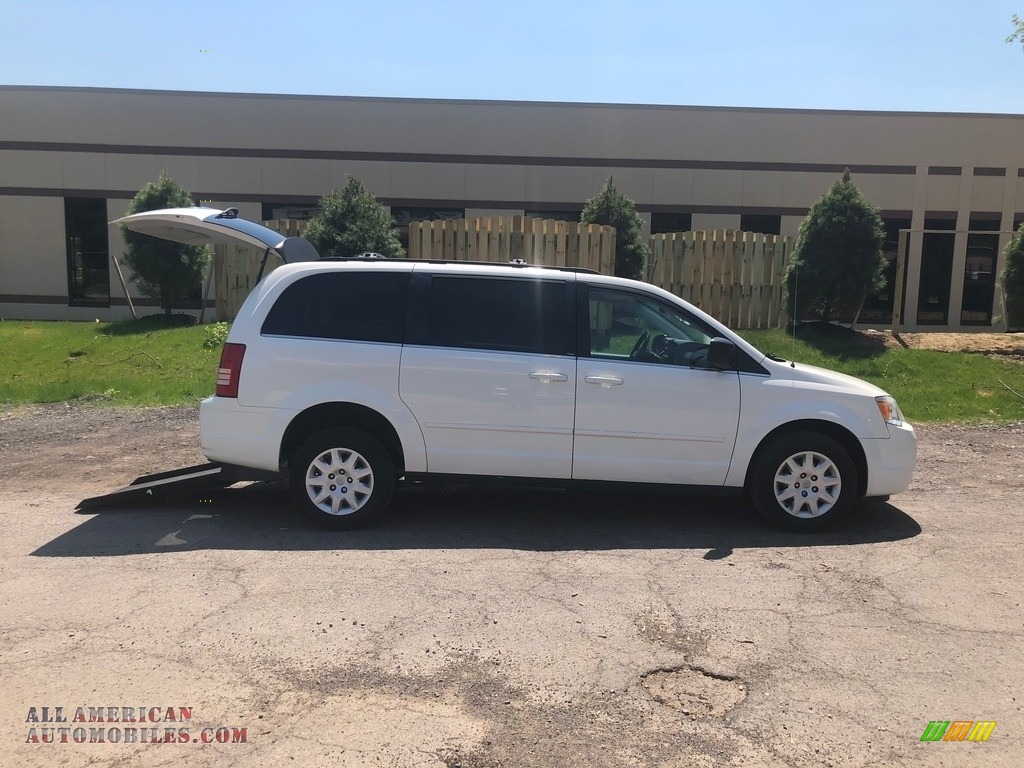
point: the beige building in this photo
(72, 158)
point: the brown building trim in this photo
(407, 202)
(28, 298)
(109, 194)
(398, 202)
(425, 157)
(559, 207)
(944, 170)
(125, 194)
(738, 210)
(987, 171)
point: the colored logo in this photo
(958, 730)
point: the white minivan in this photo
(351, 375)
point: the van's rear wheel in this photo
(342, 478)
(804, 481)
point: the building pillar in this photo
(963, 224)
(909, 317)
(790, 226)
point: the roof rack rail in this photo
(522, 264)
(354, 256)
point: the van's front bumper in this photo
(891, 461)
(242, 435)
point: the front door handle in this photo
(604, 381)
(547, 376)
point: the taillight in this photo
(230, 370)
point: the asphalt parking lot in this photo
(498, 628)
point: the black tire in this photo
(816, 498)
(361, 494)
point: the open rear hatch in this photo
(202, 226)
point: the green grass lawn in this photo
(144, 362)
(152, 362)
(928, 385)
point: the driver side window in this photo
(628, 326)
(615, 324)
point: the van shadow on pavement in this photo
(258, 516)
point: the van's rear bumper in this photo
(242, 435)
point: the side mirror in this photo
(721, 354)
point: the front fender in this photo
(767, 403)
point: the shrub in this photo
(1013, 279)
(166, 271)
(838, 258)
(611, 207)
(352, 221)
(214, 335)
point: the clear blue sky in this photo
(944, 55)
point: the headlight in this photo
(891, 413)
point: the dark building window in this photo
(296, 211)
(353, 306)
(572, 214)
(405, 216)
(979, 270)
(936, 271)
(85, 229)
(494, 314)
(671, 222)
(766, 224)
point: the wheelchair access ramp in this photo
(162, 485)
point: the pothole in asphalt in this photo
(694, 691)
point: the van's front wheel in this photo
(804, 481)
(342, 478)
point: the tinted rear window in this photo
(487, 313)
(355, 306)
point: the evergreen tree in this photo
(352, 221)
(1013, 279)
(166, 271)
(613, 208)
(838, 258)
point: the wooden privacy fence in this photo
(503, 238)
(736, 277)
(236, 268)
(496, 239)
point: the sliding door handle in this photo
(547, 376)
(604, 381)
